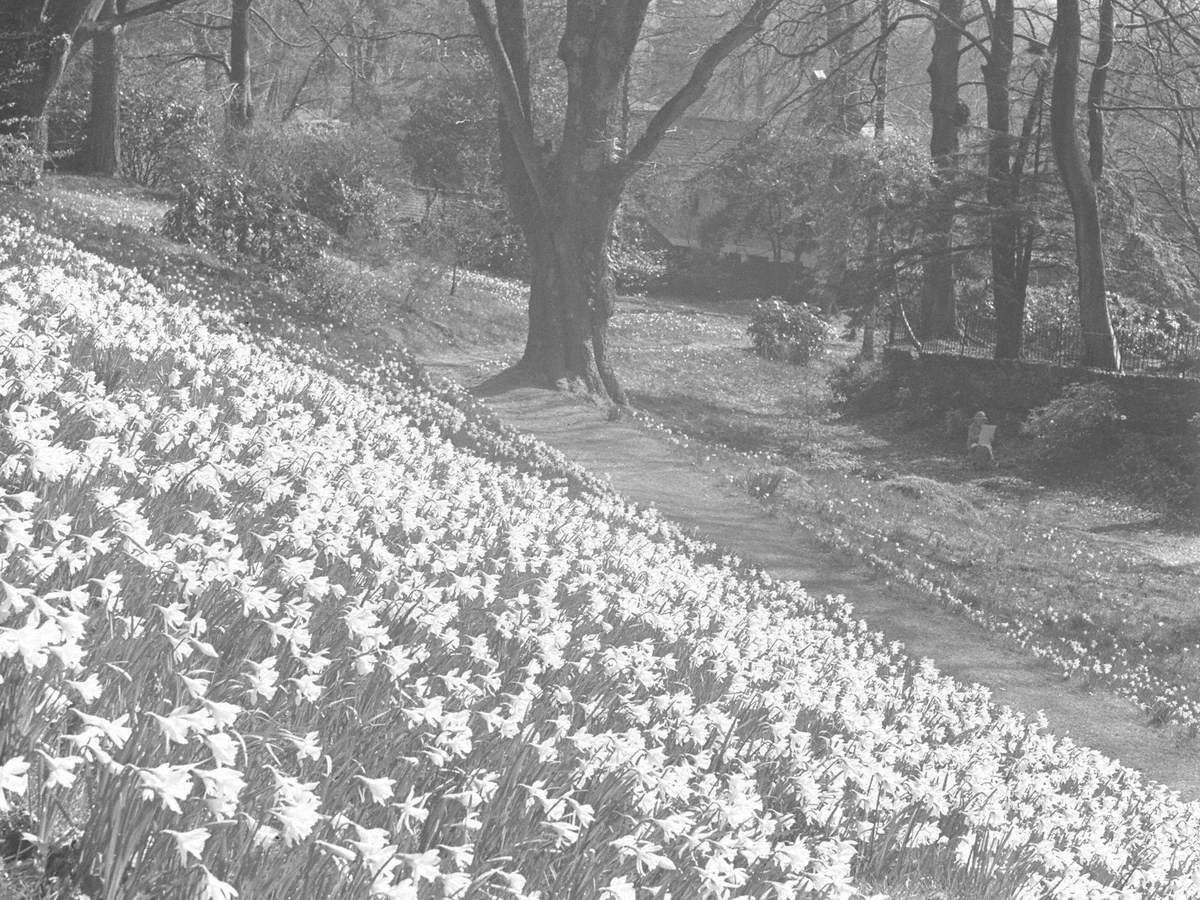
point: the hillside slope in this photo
(268, 633)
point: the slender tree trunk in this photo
(240, 108)
(1096, 90)
(883, 48)
(1004, 222)
(103, 145)
(1029, 149)
(1100, 346)
(874, 220)
(939, 317)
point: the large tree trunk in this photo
(1004, 223)
(565, 200)
(1100, 346)
(103, 148)
(36, 39)
(240, 109)
(939, 317)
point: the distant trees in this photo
(588, 89)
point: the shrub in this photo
(1084, 417)
(339, 293)
(160, 137)
(347, 202)
(637, 265)
(860, 384)
(472, 235)
(765, 483)
(226, 212)
(20, 161)
(793, 333)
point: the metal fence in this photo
(1061, 343)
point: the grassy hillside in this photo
(274, 629)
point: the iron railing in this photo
(1060, 343)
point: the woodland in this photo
(937, 163)
(529, 449)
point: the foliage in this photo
(336, 172)
(822, 197)
(465, 232)
(860, 384)
(20, 161)
(337, 292)
(450, 138)
(227, 213)
(1156, 332)
(795, 333)
(1079, 422)
(162, 137)
(320, 652)
(637, 264)
(764, 483)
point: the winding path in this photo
(650, 470)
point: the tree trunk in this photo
(565, 200)
(240, 108)
(36, 39)
(103, 146)
(939, 317)
(1100, 346)
(1004, 223)
(874, 223)
(880, 78)
(1096, 89)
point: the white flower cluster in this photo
(271, 639)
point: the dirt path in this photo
(648, 469)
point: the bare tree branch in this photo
(671, 111)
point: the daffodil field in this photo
(266, 632)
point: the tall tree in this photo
(879, 78)
(565, 198)
(240, 107)
(103, 145)
(939, 317)
(1099, 342)
(1008, 301)
(1097, 87)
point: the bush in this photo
(20, 161)
(226, 212)
(860, 384)
(160, 137)
(1075, 424)
(637, 265)
(472, 235)
(347, 202)
(339, 293)
(794, 333)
